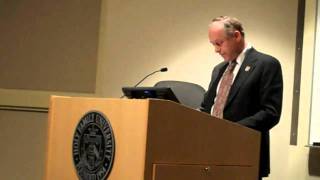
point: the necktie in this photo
(224, 89)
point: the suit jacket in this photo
(255, 97)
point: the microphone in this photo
(164, 69)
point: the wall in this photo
(315, 102)
(301, 159)
(23, 141)
(45, 46)
(48, 45)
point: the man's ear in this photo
(237, 35)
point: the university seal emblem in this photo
(93, 147)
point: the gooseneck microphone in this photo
(164, 69)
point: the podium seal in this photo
(93, 147)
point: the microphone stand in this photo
(161, 70)
(146, 77)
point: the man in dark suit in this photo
(251, 94)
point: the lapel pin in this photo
(247, 68)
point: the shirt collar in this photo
(242, 55)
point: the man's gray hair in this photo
(231, 24)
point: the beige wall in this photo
(137, 37)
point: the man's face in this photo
(227, 46)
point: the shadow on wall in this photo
(313, 164)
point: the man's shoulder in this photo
(262, 58)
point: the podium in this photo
(153, 140)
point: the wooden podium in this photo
(155, 140)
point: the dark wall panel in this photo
(49, 45)
(23, 144)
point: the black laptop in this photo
(149, 92)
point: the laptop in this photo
(150, 92)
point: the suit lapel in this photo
(245, 70)
(220, 73)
